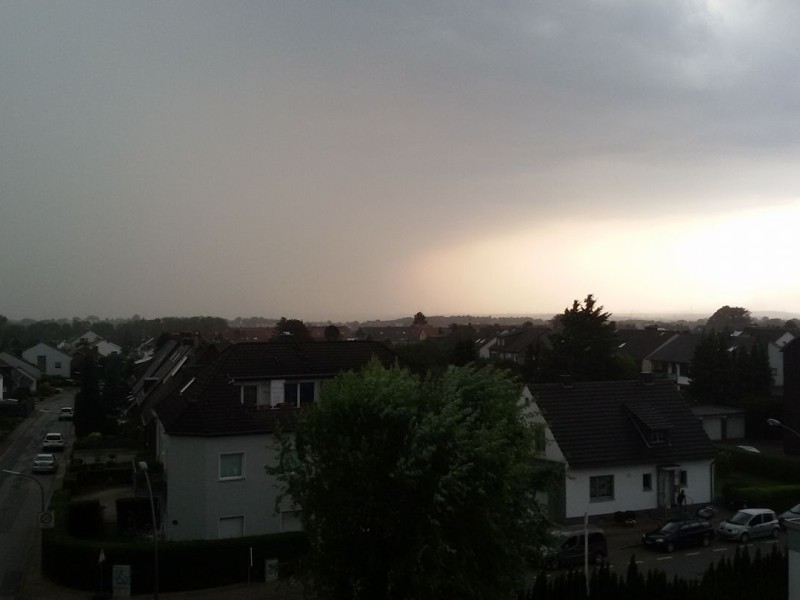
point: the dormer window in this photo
(657, 438)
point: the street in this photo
(20, 497)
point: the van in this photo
(568, 547)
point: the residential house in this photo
(619, 446)
(773, 339)
(17, 374)
(486, 338)
(638, 344)
(49, 360)
(790, 415)
(673, 359)
(216, 415)
(521, 345)
(721, 422)
(90, 338)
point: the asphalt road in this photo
(21, 497)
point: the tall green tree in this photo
(729, 318)
(420, 319)
(292, 330)
(583, 345)
(416, 488)
(728, 375)
(90, 414)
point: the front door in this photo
(666, 487)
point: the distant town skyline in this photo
(341, 161)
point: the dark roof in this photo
(594, 423)
(638, 343)
(680, 349)
(518, 340)
(205, 400)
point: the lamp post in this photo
(143, 469)
(776, 423)
(39, 483)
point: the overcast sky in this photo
(353, 160)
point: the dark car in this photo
(677, 533)
(793, 514)
(570, 547)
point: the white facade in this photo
(209, 498)
(775, 354)
(637, 487)
(48, 359)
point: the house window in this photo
(231, 466)
(57, 364)
(41, 362)
(539, 441)
(298, 393)
(657, 438)
(249, 395)
(231, 527)
(601, 488)
(647, 482)
(684, 478)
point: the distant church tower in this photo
(791, 396)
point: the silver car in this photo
(750, 523)
(44, 463)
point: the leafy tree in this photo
(730, 318)
(291, 329)
(415, 488)
(89, 412)
(332, 333)
(420, 319)
(115, 389)
(583, 344)
(727, 375)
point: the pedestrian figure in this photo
(681, 500)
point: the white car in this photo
(44, 463)
(53, 441)
(66, 413)
(750, 523)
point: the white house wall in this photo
(198, 499)
(56, 362)
(628, 492)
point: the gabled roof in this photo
(638, 343)
(593, 422)
(518, 340)
(25, 367)
(679, 349)
(205, 400)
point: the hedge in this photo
(188, 565)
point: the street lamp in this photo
(143, 469)
(39, 483)
(776, 423)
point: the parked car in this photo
(66, 413)
(44, 463)
(789, 515)
(677, 533)
(569, 547)
(750, 523)
(53, 441)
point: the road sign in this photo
(47, 520)
(121, 581)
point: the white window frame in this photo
(239, 518)
(593, 483)
(231, 477)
